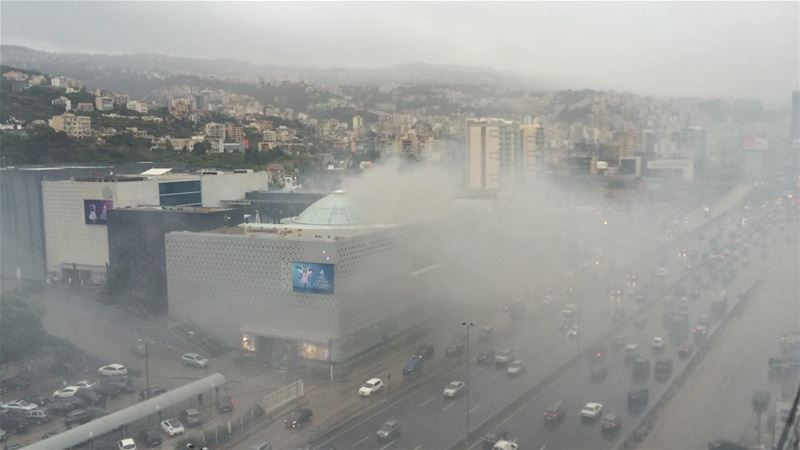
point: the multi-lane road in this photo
(433, 422)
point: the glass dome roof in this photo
(334, 209)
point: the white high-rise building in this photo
(494, 156)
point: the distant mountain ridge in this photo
(81, 66)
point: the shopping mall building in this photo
(325, 285)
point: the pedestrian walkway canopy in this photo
(106, 424)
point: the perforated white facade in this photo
(237, 284)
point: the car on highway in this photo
(194, 360)
(455, 348)
(15, 383)
(491, 438)
(641, 370)
(486, 358)
(151, 392)
(66, 392)
(554, 413)
(574, 331)
(413, 366)
(569, 310)
(79, 417)
(389, 430)
(298, 417)
(424, 352)
(591, 410)
(658, 343)
(126, 444)
(631, 351)
(503, 357)
(260, 446)
(19, 405)
(638, 396)
(454, 389)
(516, 367)
(370, 387)
(190, 417)
(172, 427)
(112, 370)
(149, 438)
(663, 368)
(504, 444)
(12, 446)
(598, 354)
(610, 422)
(598, 372)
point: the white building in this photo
(215, 130)
(75, 126)
(493, 154)
(104, 103)
(137, 106)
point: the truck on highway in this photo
(503, 444)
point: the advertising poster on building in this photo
(95, 212)
(314, 278)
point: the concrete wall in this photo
(231, 186)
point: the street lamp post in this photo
(146, 344)
(467, 325)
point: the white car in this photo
(454, 388)
(66, 392)
(20, 405)
(126, 444)
(591, 410)
(172, 427)
(517, 367)
(83, 384)
(113, 369)
(194, 360)
(658, 343)
(371, 386)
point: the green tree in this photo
(201, 148)
(21, 332)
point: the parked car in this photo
(517, 367)
(124, 382)
(149, 438)
(151, 392)
(3, 435)
(172, 427)
(190, 417)
(12, 446)
(13, 423)
(19, 405)
(38, 416)
(91, 397)
(591, 410)
(555, 413)
(79, 417)
(109, 390)
(126, 444)
(389, 430)
(66, 392)
(194, 360)
(370, 387)
(298, 417)
(41, 400)
(224, 404)
(62, 406)
(454, 389)
(112, 370)
(84, 384)
(16, 383)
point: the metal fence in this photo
(276, 400)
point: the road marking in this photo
(418, 447)
(450, 405)
(427, 401)
(474, 408)
(388, 445)
(358, 442)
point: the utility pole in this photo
(467, 325)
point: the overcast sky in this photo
(677, 48)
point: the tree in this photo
(201, 148)
(21, 332)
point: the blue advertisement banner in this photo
(314, 278)
(95, 212)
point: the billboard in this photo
(314, 278)
(95, 212)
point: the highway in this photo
(716, 402)
(430, 421)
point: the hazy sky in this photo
(745, 49)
